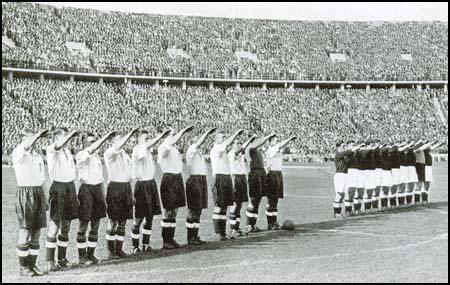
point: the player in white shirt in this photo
(172, 186)
(92, 203)
(31, 203)
(196, 187)
(145, 191)
(223, 185)
(62, 197)
(238, 171)
(274, 161)
(119, 196)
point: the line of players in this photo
(374, 174)
(89, 205)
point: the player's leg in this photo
(252, 214)
(92, 240)
(393, 196)
(198, 214)
(34, 251)
(136, 234)
(426, 191)
(147, 233)
(23, 252)
(111, 238)
(418, 192)
(50, 246)
(81, 242)
(385, 190)
(272, 213)
(376, 198)
(349, 200)
(120, 237)
(166, 229)
(191, 219)
(368, 200)
(63, 243)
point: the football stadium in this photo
(299, 151)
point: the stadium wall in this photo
(12, 72)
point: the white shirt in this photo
(143, 168)
(219, 159)
(89, 167)
(118, 164)
(61, 166)
(28, 167)
(169, 158)
(274, 159)
(237, 163)
(195, 160)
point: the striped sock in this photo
(50, 246)
(146, 233)
(23, 253)
(135, 234)
(81, 244)
(34, 252)
(92, 243)
(62, 243)
(111, 238)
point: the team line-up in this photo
(232, 186)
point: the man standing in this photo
(420, 168)
(256, 181)
(63, 197)
(145, 191)
(240, 191)
(223, 185)
(92, 206)
(274, 181)
(429, 170)
(172, 186)
(119, 196)
(196, 187)
(341, 158)
(31, 203)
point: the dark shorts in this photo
(197, 192)
(147, 199)
(420, 169)
(63, 201)
(223, 191)
(31, 206)
(172, 191)
(257, 183)
(240, 188)
(92, 202)
(119, 199)
(275, 184)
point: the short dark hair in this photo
(143, 132)
(58, 130)
(339, 143)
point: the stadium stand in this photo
(40, 36)
(318, 117)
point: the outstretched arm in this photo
(233, 137)
(154, 141)
(30, 144)
(93, 148)
(177, 137)
(438, 144)
(125, 139)
(285, 142)
(202, 139)
(403, 148)
(262, 141)
(245, 145)
(425, 146)
(59, 146)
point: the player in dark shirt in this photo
(360, 184)
(429, 170)
(352, 177)
(386, 179)
(378, 172)
(403, 179)
(341, 159)
(370, 175)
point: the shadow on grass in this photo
(264, 236)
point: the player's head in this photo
(171, 130)
(220, 137)
(117, 137)
(142, 136)
(340, 145)
(273, 140)
(59, 133)
(27, 133)
(350, 144)
(194, 139)
(237, 144)
(89, 139)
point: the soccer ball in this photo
(288, 225)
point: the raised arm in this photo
(425, 146)
(202, 139)
(408, 145)
(125, 139)
(59, 146)
(245, 145)
(285, 142)
(29, 145)
(233, 137)
(438, 144)
(262, 141)
(177, 137)
(154, 141)
(93, 148)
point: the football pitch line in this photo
(441, 237)
(365, 233)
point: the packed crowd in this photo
(318, 118)
(139, 43)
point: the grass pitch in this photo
(405, 245)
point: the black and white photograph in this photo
(224, 142)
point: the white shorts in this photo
(404, 174)
(361, 179)
(428, 173)
(412, 174)
(379, 176)
(386, 178)
(371, 179)
(396, 176)
(340, 182)
(352, 178)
